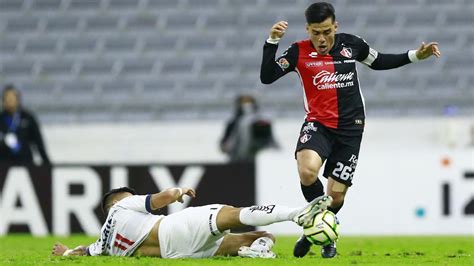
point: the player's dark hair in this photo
(108, 197)
(319, 12)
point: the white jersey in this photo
(128, 224)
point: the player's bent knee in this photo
(308, 175)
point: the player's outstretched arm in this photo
(380, 61)
(62, 250)
(170, 195)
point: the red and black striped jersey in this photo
(332, 94)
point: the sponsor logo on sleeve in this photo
(283, 63)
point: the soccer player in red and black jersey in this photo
(334, 105)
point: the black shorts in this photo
(340, 151)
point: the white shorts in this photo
(191, 233)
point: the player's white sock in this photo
(267, 214)
(262, 244)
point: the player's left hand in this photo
(59, 249)
(187, 191)
(427, 50)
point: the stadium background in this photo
(121, 84)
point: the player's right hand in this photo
(58, 249)
(187, 191)
(278, 29)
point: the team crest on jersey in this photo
(283, 63)
(346, 52)
(305, 138)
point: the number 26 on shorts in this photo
(343, 172)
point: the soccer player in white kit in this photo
(195, 232)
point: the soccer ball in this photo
(323, 229)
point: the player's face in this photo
(10, 101)
(322, 35)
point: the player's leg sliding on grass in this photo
(195, 232)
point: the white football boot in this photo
(317, 205)
(247, 252)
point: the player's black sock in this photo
(335, 210)
(312, 191)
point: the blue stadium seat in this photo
(80, 5)
(162, 5)
(142, 23)
(78, 87)
(460, 63)
(163, 44)
(38, 88)
(80, 46)
(219, 67)
(222, 23)
(203, 4)
(8, 46)
(21, 25)
(243, 42)
(46, 5)
(120, 44)
(381, 20)
(38, 92)
(102, 24)
(462, 18)
(15, 69)
(10, 6)
(181, 23)
(56, 69)
(118, 91)
(200, 45)
(62, 24)
(123, 5)
(38, 46)
(97, 68)
(178, 67)
(139, 66)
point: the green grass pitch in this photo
(419, 250)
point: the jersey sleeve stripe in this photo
(370, 57)
(148, 203)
